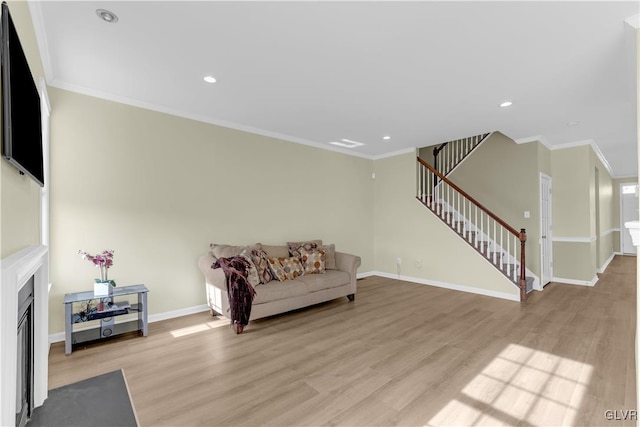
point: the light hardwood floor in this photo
(401, 354)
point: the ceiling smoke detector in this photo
(107, 16)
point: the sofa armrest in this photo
(348, 263)
(212, 276)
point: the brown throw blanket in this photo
(239, 289)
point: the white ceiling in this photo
(317, 71)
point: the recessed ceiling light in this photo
(506, 104)
(107, 16)
(209, 79)
(386, 137)
(573, 123)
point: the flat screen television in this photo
(21, 113)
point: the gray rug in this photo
(101, 401)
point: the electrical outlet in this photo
(399, 261)
(527, 214)
(419, 263)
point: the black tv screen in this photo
(21, 113)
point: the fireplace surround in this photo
(15, 272)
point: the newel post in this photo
(523, 277)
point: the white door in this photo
(546, 258)
(628, 212)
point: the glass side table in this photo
(105, 310)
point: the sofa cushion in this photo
(294, 247)
(313, 261)
(292, 267)
(228, 251)
(330, 279)
(277, 270)
(261, 261)
(330, 256)
(274, 291)
(252, 271)
(281, 251)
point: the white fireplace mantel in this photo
(15, 271)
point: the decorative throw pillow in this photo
(252, 271)
(330, 256)
(277, 269)
(313, 261)
(261, 261)
(292, 267)
(294, 247)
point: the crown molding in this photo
(633, 21)
(191, 116)
(536, 138)
(394, 153)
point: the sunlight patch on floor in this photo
(202, 327)
(520, 386)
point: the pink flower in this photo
(103, 261)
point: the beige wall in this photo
(571, 178)
(604, 229)
(158, 189)
(406, 229)
(20, 195)
(582, 244)
(573, 214)
(616, 235)
(504, 177)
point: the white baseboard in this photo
(178, 313)
(575, 282)
(157, 317)
(365, 274)
(606, 263)
(462, 288)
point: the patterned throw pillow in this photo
(292, 267)
(252, 271)
(313, 261)
(294, 247)
(277, 269)
(330, 257)
(261, 261)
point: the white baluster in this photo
(515, 256)
(501, 247)
(488, 235)
(423, 173)
(419, 172)
(457, 152)
(475, 223)
(494, 241)
(464, 214)
(449, 204)
(508, 254)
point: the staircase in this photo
(500, 244)
(448, 155)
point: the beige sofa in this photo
(278, 297)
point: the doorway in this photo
(628, 212)
(546, 244)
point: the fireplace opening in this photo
(24, 383)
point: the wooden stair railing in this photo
(502, 245)
(448, 155)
